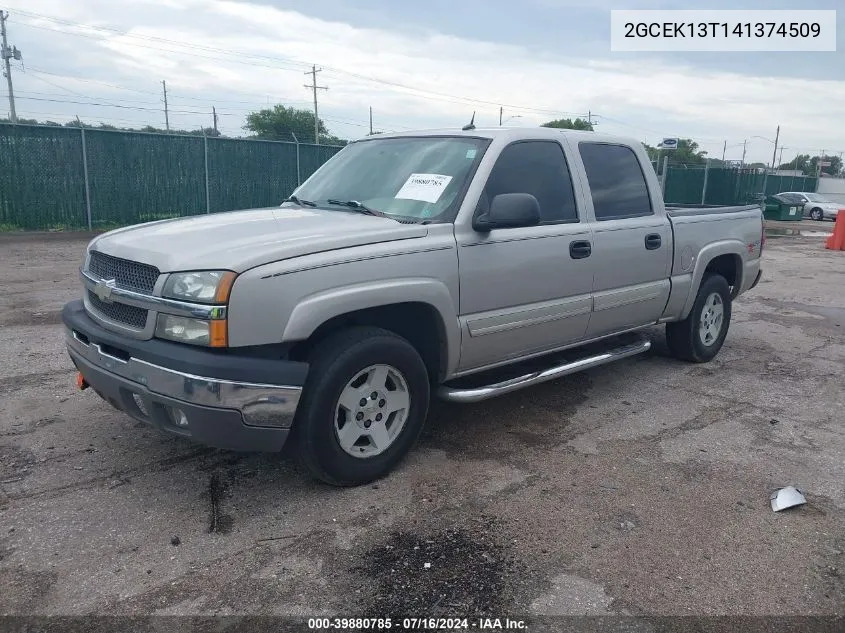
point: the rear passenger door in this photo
(632, 251)
(528, 289)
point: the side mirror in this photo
(509, 210)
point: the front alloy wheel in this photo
(363, 405)
(372, 410)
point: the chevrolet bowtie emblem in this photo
(103, 290)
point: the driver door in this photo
(526, 290)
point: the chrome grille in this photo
(119, 312)
(126, 274)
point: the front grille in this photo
(120, 312)
(126, 274)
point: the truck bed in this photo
(683, 210)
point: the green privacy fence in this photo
(726, 186)
(53, 177)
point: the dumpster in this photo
(777, 209)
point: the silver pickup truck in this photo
(464, 264)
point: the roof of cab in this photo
(510, 134)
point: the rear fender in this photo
(707, 255)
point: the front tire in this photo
(363, 406)
(817, 214)
(700, 336)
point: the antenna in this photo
(471, 124)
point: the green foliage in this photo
(800, 162)
(569, 124)
(687, 153)
(330, 139)
(281, 123)
(810, 165)
(209, 131)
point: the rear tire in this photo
(817, 214)
(346, 436)
(700, 336)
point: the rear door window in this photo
(616, 179)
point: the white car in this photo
(816, 206)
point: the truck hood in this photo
(240, 240)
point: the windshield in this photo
(413, 177)
(814, 197)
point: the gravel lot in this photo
(636, 488)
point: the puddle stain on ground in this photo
(218, 522)
(784, 232)
(451, 571)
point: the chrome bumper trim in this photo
(150, 302)
(259, 404)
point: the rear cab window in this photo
(617, 183)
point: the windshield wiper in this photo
(361, 208)
(299, 201)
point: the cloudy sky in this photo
(418, 65)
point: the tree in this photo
(832, 170)
(800, 162)
(569, 124)
(281, 123)
(331, 139)
(687, 153)
(810, 166)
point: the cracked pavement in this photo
(638, 488)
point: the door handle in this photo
(653, 241)
(579, 249)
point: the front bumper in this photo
(227, 400)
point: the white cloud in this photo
(646, 99)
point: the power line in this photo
(108, 105)
(422, 93)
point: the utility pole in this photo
(744, 147)
(313, 72)
(590, 117)
(8, 53)
(724, 148)
(780, 160)
(166, 114)
(501, 110)
(371, 120)
(214, 114)
(775, 153)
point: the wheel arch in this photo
(420, 311)
(723, 258)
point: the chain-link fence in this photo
(54, 178)
(700, 184)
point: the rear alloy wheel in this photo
(817, 214)
(710, 321)
(699, 337)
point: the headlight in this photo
(195, 331)
(211, 286)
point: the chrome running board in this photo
(476, 394)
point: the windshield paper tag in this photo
(424, 187)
